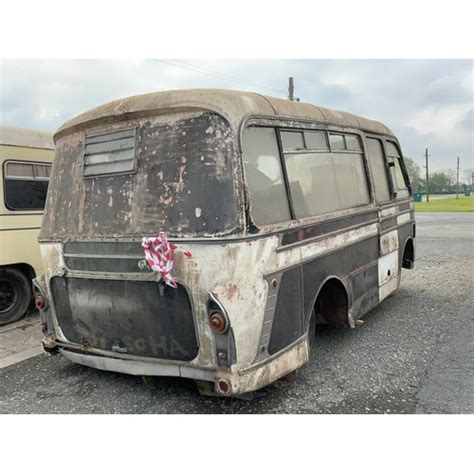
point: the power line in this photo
(222, 75)
(216, 74)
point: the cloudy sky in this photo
(427, 103)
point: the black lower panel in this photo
(365, 288)
(287, 322)
(340, 263)
(130, 317)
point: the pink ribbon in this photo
(159, 254)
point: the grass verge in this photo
(463, 204)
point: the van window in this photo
(394, 159)
(325, 182)
(26, 185)
(377, 166)
(264, 176)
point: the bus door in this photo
(388, 266)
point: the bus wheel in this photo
(15, 295)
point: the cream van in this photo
(25, 165)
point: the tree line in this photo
(439, 181)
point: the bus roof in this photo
(235, 106)
(26, 137)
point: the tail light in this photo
(217, 321)
(222, 335)
(40, 302)
(224, 386)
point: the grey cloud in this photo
(467, 122)
(43, 94)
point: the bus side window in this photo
(394, 160)
(264, 176)
(26, 185)
(324, 182)
(377, 166)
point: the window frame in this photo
(283, 172)
(292, 125)
(329, 150)
(19, 178)
(388, 174)
(327, 131)
(401, 161)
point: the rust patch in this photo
(231, 291)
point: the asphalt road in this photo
(413, 354)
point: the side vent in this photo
(110, 153)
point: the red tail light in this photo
(224, 386)
(217, 321)
(40, 302)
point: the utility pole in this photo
(427, 177)
(291, 89)
(457, 181)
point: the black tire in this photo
(15, 295)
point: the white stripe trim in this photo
(389, 211)
(320, 247)
(402, 218)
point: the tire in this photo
(15, 295)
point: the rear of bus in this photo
(114, 182)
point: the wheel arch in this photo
(330, 289)
(408, 255)
(25, 268)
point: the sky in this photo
(426, 103)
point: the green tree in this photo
(439, 182)
(414, 173)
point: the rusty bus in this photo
(293, 214)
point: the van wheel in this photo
(15, 295)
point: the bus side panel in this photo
(365, 289)
(287, 323)
(344, 264)
(20, 247)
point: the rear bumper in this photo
(243, 381)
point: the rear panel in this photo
(180, 176)
(142, 318)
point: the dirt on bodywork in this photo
(185, 182)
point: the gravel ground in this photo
(413, 354)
